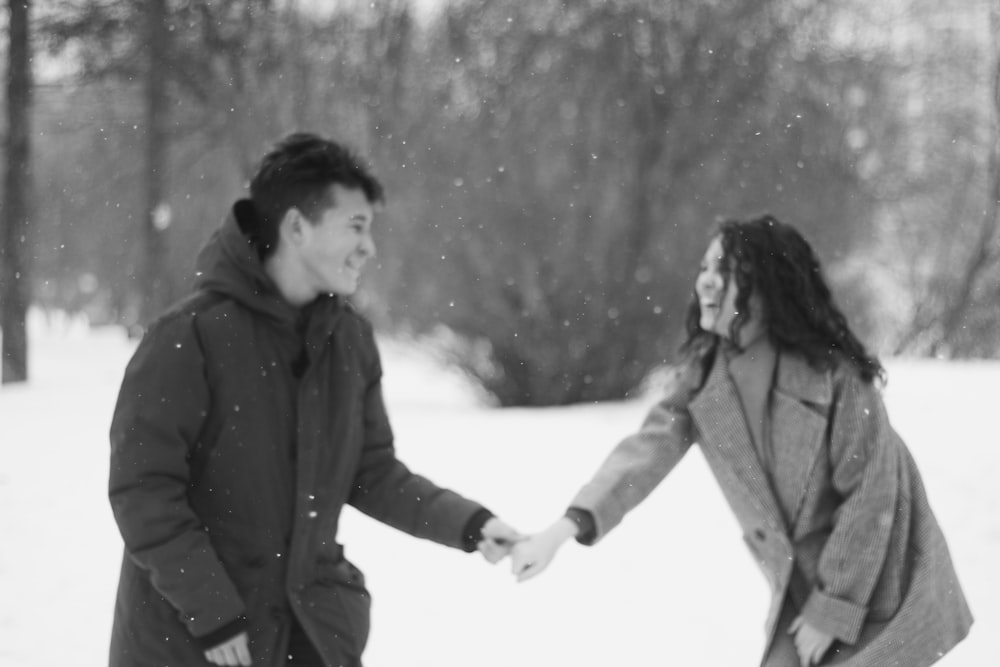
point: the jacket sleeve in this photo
(161, 407)
(865, 472)
(386, 490)
(639, 462)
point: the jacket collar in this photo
(797, 378)
(794, 377)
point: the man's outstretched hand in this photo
(498, 540)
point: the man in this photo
(249, 415)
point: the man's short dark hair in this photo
(298, 172)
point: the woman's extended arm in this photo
(633, 469)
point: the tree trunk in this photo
(14, 284)
(984, 249)
(155, 286)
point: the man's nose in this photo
(368, 246)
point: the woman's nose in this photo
(707, 281)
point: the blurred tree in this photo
(171, 75)
(154, 285)
(574, 158)
(553, 168)
(969, 324)
(15, 213)
(230, 77)
(122, 54)
(88, 235)
(940, 217)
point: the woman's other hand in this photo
(810, 642)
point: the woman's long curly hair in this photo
(772, 259)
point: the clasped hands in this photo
(530, 554)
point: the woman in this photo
(782, 398)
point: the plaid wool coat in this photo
(841, 524)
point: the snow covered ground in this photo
(638, 599)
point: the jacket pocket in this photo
(245, 566)
(344, 600)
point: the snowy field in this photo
(638, 599)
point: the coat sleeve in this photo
(865, 473)
(386, 490)
(161, 407)
(641, 461)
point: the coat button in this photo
(760, 535)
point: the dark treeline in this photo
(554, 168)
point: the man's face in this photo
(336, 244)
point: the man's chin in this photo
(344, 290)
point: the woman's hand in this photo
(811, 642)
(532, 555)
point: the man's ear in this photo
(290, 228)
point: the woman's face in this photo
(717, 291)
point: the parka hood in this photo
(229, 264)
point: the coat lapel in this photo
(800, 404)
(718, 415)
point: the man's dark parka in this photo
(242, 427)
